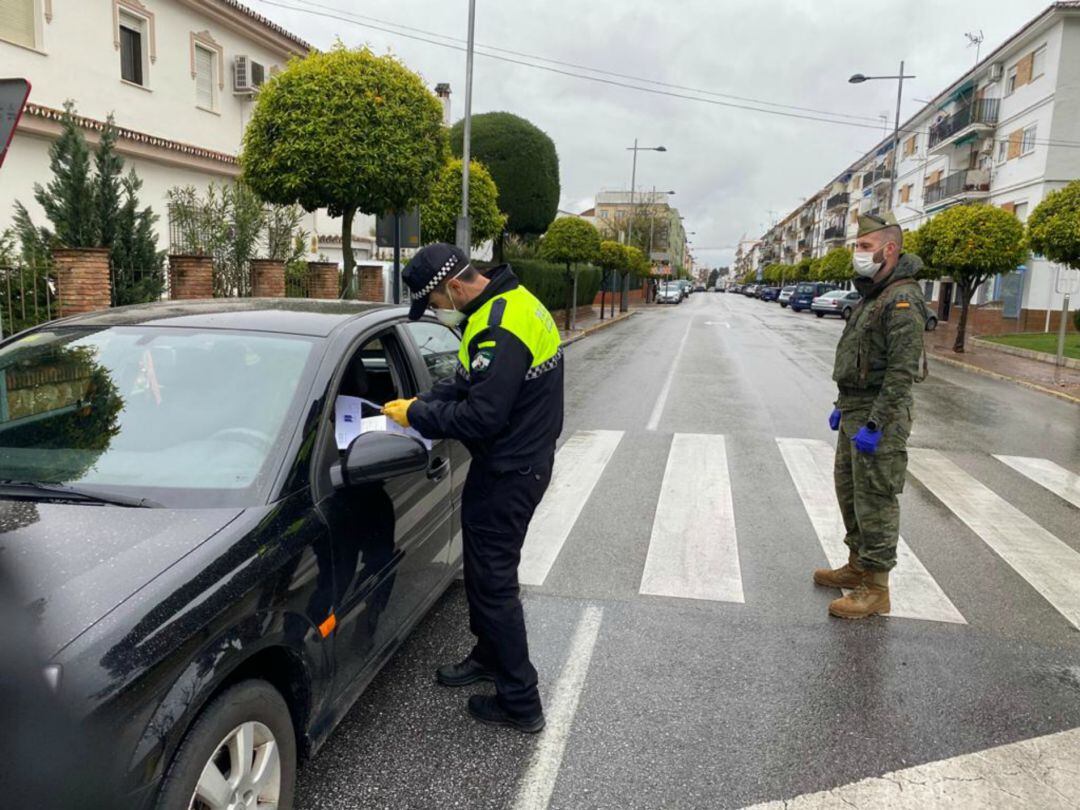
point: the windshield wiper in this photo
(65, 491)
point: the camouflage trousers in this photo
(867, 486)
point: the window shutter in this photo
(1009, 206)
(17, 22)
(1015, 140)
(1023, 69)
(204, 78)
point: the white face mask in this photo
(451, 317)
(864, 265)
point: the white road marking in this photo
(661, 401)
(578, 466)
(1039, 772)
(693, 551)
(913, 592)
(1047, 474)
(1049, 566)
(538, 782)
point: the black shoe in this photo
(486, 709)
(468, 671)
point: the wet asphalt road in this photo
(694, 703)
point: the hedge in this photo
(547, 281)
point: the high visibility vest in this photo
(525, 318)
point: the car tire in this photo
(783, 305)
(931, 324)
(820, 314)
(257, 708)
(846, 314)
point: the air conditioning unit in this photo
(987, 146)
(248, 75)
(997, 70)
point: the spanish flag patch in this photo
(903, 305)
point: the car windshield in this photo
(805, 288)
(178, 416)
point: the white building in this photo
(179, 76)
(1006, 133)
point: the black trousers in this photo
(495, 513)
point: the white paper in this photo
(348, 424)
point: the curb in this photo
(1005, 377)
(599, 327)
(1027, 354)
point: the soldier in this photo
(879, 356)
(506, 405)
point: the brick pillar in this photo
(267, 278)
(371, 283)
(82, 276)
(191, 277)
(323, 280)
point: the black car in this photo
(769, 293)
(214, 582)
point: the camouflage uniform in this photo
(879, 356)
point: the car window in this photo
(438, 346)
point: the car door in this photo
(436, 347)
(390, 540)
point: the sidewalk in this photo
(588, 321)
(980, 360)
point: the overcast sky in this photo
(729, 167)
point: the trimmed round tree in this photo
(835, 266)
(971, 244)
(439, 212)
(1054, 229)
(568, 241)
(524, 165)
(612, 256)
(348, 131)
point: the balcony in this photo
(835, 232)
(974, 117)
(838, 200)
(881, 174)
(969, 184)
(804, 244)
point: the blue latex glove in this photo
(834, 419)
(866, 441)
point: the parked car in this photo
(750, 290)
(699, 288)
(206, 563)
(687, 287)
(785, 295)
(806, 292)
(835, 302)
(769, 293)
(719, 287)
(669, 293)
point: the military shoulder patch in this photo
(482, 359)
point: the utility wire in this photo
(614, 83)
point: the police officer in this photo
(879, 356)
(505, 403)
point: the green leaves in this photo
(834, 266)
(971, 243)
(1054, 226)
(523, 163)
(570, 240)
(439, 213)
(613, 256)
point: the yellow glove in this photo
(398, 410)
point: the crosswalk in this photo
(694, 546)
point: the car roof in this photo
(298, 316)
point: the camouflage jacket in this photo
(880, 353)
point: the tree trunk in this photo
(603, 292)
(569, 297)
(961, 328)
(497, 247)
(347, 253)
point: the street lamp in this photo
(623, 303)
(859, 78)
(464, 226)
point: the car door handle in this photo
(438, 469)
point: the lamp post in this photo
(630, 227)
(859, 78)
(464, 227)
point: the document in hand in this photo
(348, 422)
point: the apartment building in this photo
(179, 76)
(1005, 133)
(666, 236)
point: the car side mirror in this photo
(378, 456)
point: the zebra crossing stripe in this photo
(913, 592)
(693, 551)
(578, 466)
(1049, 566)
(1047, 474)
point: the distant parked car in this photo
(699, 288)
(669, 293)
(719, 287)
(806, 292)
(785, 295)
(835, 302)
(750, 290)
(769, 293)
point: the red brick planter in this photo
(191, 277)
(323, 280)
(371, 283)
(267, 278)
(82, 278)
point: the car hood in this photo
(73, 563)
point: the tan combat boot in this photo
(846, 576)
(872, 596)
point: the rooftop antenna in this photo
(976, 40)
(884, 116)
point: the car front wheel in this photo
(931, 324)
(820, 314)
(846, 313)
(239, 753)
